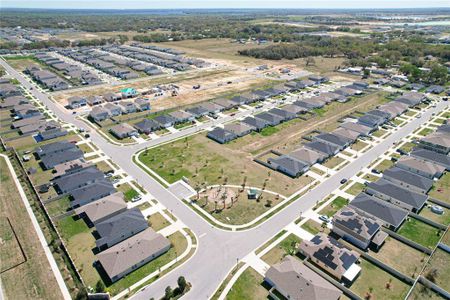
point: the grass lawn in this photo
(157, 221)
(10, 253)
(128, 191)
(359, 145)
(69, 227)
(33, 279)
(420, 232)
(85, 148)
(242, 211)
(379, 133)
(371, 177)
(372, 277)
(288, 246)
(400, 256)
(104, 167)
(248, 286)
(182, 125)
(205, 162)
(438, 269)
(425, 131)
(314, 227)
(58, 207)
(333, 162)
(443, 219)
(407, 147)
(355, 188)
(269, 131)
(384, 165)
(421, 292)
(397, 122)
(334, 206)
(441, 188)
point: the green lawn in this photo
(288, 246)
(314, 227)
(420, 232)
(359, 145)
(248, 286)
(58, 207)
(128, 192)
(425, 131)
(384, 165)
(407, 147)
(333, 162)
(355, 189)
(69, 227)
(382, 284)
(269, 131)
(334, 206)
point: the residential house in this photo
(332, 256)
(111, 97)
(123, 130)
(438, 142)
(117, 228)
(285, 114)
(346, 133)
(435, 89)
(225, 103)
(51, 160)
(212, 108)
(394, 194)
(197, 111)
(71, 167)
(12, 101)
(408, 180)
(271, 119)
(220, 135)
(50, 130)
(318, 79)
(358, 228)
(147, 126)
(127, 107)
(142, 104)
(257, 124)
(112, 109)
(389, 215)
(132, 253)
(362, 129)
(292, 108)
(180, 116)
(288, 165)
(72, 181)
(165, 120)
(91, 192)
(128, 93)
(99, 114)
(334, 140)
(102, 209)
(421, 167)
(371, 121)
(325, 148)
(292, 279)
(94, 100)
(431, 156)
(239, 129)
(9, 90)
(76, 102)
(307, 156)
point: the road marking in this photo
(202, 235)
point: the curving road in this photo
(218, 250)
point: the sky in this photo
(170, 4)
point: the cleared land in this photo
(33, 279)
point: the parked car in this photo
(136, 198)
(375, 171)
(343, 180)
(324, 219)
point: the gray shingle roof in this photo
(408, 177)
(380, 209)
(441, 159)
(322, 147)
(389, 189)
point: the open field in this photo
(33, 279)
(422, 292)
(249, 286)
(420, 232)
(438, 269)
(334, 206)
(288, 246)
(400, 256)
(382, 284)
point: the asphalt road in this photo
(218, 250)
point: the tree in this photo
(100, 287)
(268, 203)
(168, 293)
(181, 284)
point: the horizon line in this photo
(234, 8)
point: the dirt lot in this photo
(33, 279)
